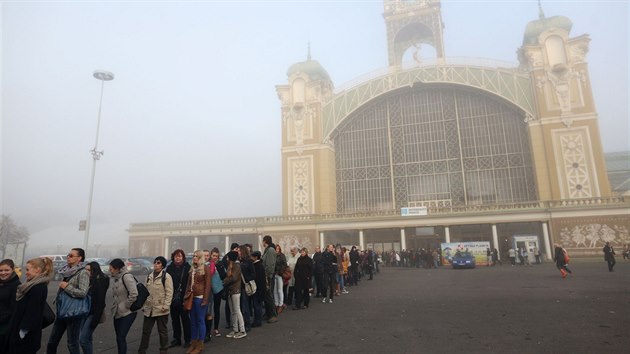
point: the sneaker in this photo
(324, 301)
(231, 334)
(273, 319)
(345, 291)
(330, 301)
(217, 333)
(240, 335)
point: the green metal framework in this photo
(508, 83)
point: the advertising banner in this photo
(477, 249)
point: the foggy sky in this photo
(191, 123)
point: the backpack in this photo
(143, 294)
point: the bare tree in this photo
(11, 233)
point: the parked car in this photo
(56, 266)
(463, 260)
(137, 266)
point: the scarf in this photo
(67, 271)
(22, 289)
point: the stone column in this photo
(196, 244)
(447, 235)
(227, 244)
(322, 246)
(361, 240)
(546, 240)
(403, 240)
(166, 250)
(495, 240)
(260, 245)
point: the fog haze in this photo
(191, 123)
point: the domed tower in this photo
(411, 23)
(308, 165)
(565, 139)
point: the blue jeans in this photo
(86, 335)
(198, 320)
(122, 326)
(73, 326)
(245, 308)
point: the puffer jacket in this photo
(160, 294)
(124, 295)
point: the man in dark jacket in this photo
(354, 266)
(318, 271)
(269, 263)
(179, 270)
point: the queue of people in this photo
(254, 286)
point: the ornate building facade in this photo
(478, 152)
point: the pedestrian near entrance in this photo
(9, 282)
(157, 306)
(609, 256)
(512, 256)
(75, 283)
(562, 260)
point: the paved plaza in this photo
(500, 309)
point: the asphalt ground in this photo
(500, 309)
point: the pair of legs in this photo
(238, 325)
(121, 327)
(73, 328)
(302, 296)
(181, 319)
(198, 320)
(147, 328)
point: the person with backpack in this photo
(125, 293)
(157, 306)
(179, 270)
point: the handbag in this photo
(48, 316)
(566, 257)
(250, 286)
(286, 273)
(188, 300)
(70, 307)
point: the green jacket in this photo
(269, 261)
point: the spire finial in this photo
(308, 56)
(541, 14)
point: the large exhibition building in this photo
(435, 151)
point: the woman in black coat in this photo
(26, 323)
(303, 273)
(9, 282)
(99, 282)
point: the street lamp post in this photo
(96, 155)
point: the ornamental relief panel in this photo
(563, 89)
(301, 185)
(296, 239)
(593, 232)
(573, 159)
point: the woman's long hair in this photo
(95, 271)
(200, 265)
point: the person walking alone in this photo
(609, 256)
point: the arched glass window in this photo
(433, 146)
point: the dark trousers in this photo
(245, 308)
(217, 309)
(258, 301)
(121, 327)
(328, 284)
(302, 296)
(73, 327)
(181, 318)
(288, 299)
(319, 284)
(611, 264)
(270, 308)
(147, 328)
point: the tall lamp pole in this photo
(96, 155)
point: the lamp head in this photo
(103, 75)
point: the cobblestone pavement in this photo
(500, 309)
